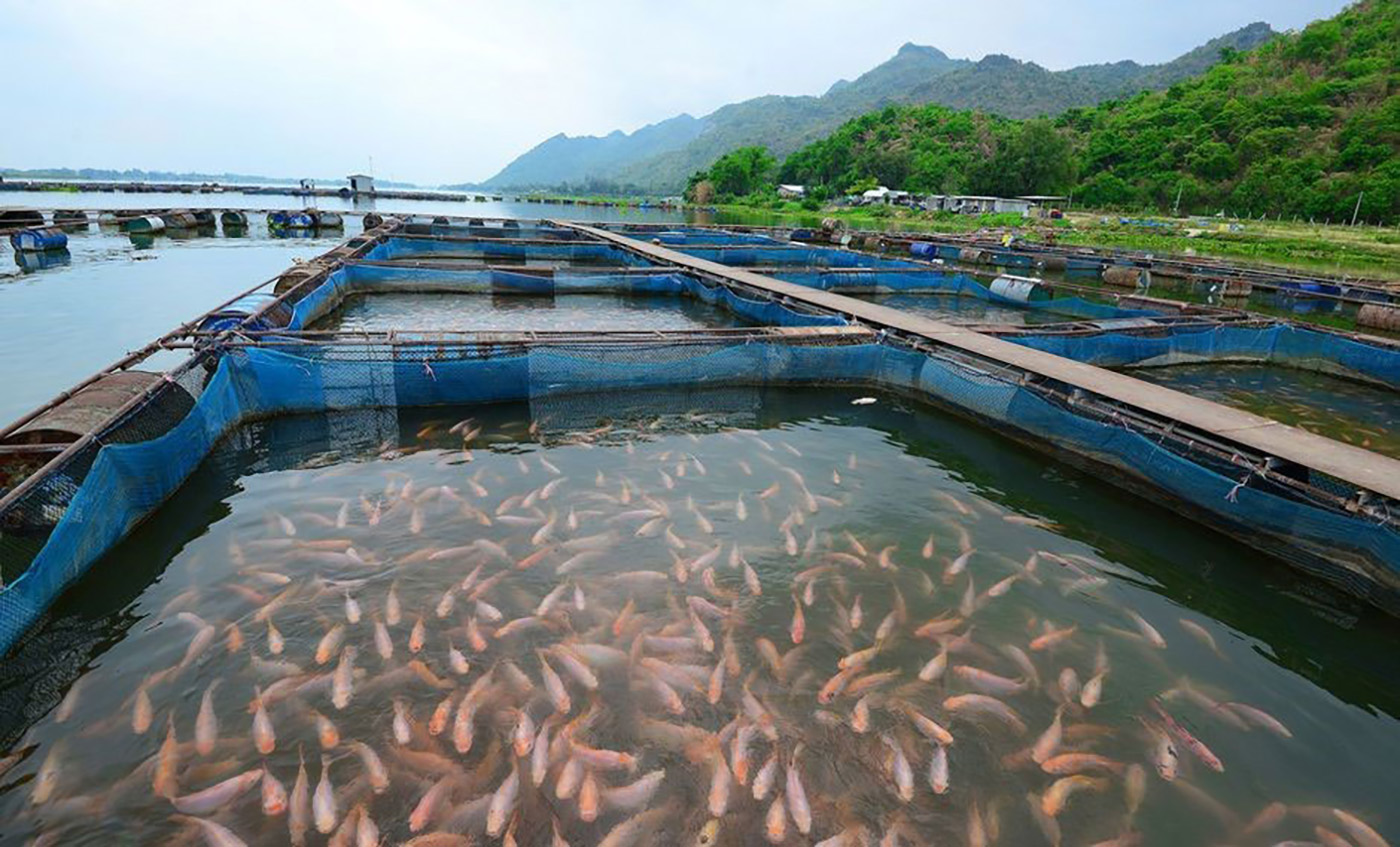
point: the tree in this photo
(742, 171)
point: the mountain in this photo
(659, 157)
(1303, 125)
(561, 159)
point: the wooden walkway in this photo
(1353, 465)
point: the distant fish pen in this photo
(86, 468)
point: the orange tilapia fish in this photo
(517, 657)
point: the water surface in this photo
(962, 310)
(115, 293)
(910, 515)
(1354, 412)
(484, 312)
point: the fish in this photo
(215, 834)
(217, 796)
(957, 566)
(206, 725)
(977, 705)
(264, 738)
(46, 780)
(330, 643)
(1092, 691)
(1071, 763)
(929, 727)
(366, 831)
(1048, 741)
(635, 795)
(323, 807)
(275, 642)
(900, 768)
(1258, 717)
(142, 711)
(938, 778)
(638, 829)
(1189, 741)
(775, 821)
(588, 798)
(1053, 638)
(798, 628)
(988, 682)
(343, 679)
(274, 795)
(403, 734)
(1201, 634)
(934, 668)
(1162, 752)
(1148, 631)
(502, 803)
(796, 795)
(1057, 796)
(539, 755)
(393, 610)
(1359, 830)
(428, 805)
(299, 806)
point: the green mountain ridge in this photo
(659, 157)
(1307, 124)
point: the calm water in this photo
(962, 310)
(378, 312)
(1364, 415)
(116, 294)
(610, 550)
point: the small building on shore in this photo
(361, 184)
(879, 194)
(971, 204)
(792, 192)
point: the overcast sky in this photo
(438, 91)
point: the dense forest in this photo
(1300, 126)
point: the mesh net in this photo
(129, 471)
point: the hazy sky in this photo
(439, 91)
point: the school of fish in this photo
(682, 642)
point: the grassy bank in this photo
(1361, 250)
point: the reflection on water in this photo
(484, 312)
(29, 262)
(1363, 415)
(774, 610)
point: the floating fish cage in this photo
(635, 517)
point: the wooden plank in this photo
(1353, 465)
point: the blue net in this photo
(394, 248)
(931, 281)
(124, 482)
(1277, 344)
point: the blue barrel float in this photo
(38, 240)
(234, 314)
(290, 220)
